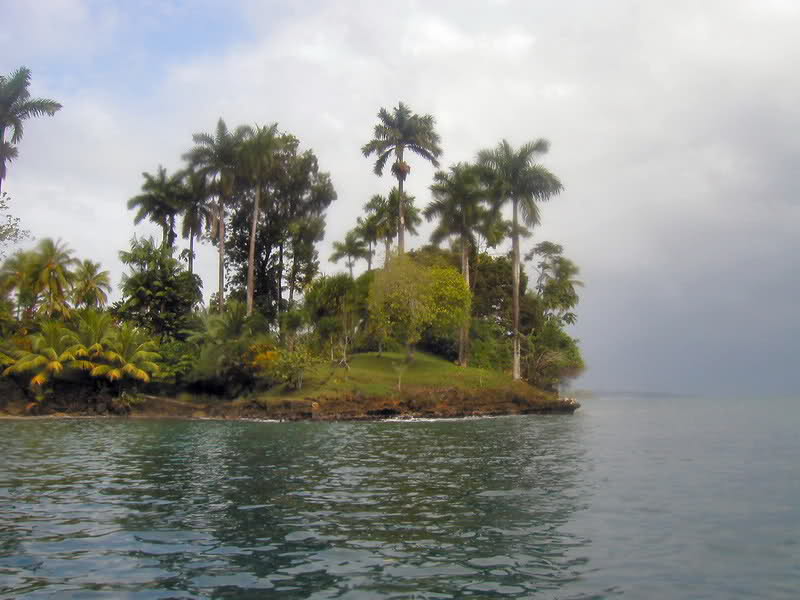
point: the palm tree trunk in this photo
(463, 335)
(280, 289)
(515, 367)
(171, 234)
(221, 255)
(369, 257)
(191, 251)
(401, 221)
(387, 243)
(350, 266)
(292, 279)
(251, 259)
(2, 166)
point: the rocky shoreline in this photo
(425, 403)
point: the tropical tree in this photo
(195, 210)
(368, 229)
(514, 177)
(403, 204)
(157, 292)
(159, 202)
(395, 133)
(52, 275)
(16, 105)
(217, 156)
(352, 248)
(49, 354)
(332, 305)
(287, 232)
(17, 273)
(89, 336)
(131, 354)
(458, 204)
(407, 297)
(385, 222)
(91, 285)
(558, 289)
(10, 230)
(259, 158)
(549, 252)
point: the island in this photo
(468, 324)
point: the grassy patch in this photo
(373, 375)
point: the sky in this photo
(673, 127)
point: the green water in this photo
(628, 497)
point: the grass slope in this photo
(430, 387)
(374, 375)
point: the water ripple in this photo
(555, 507)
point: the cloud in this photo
(671, 127)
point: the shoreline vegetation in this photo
(368, 392)
(451, 328)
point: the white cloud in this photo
(670, 127)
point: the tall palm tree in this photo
(53, 276)
(217, 156)
(259, 158)
(91, 285)
(195, 209)
(159, 202)
(16, 105)
(352, 249)
(458, 204)
(395, 133)
(515, 177)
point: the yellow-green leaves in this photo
(406, 298)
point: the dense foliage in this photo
(261, 198)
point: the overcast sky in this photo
(675, 128)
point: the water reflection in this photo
(168, 508)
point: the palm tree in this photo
(368, 229)
(131, 354)
(385, 221)
(16, 105)
(217, 156)
(195, 209)
(17, 273)
(91, 285)
(53, 276)
(395, 133)
(458, 198)
(402, 204)
(352, 248)
(160, 202)
(50, 352)
(90, 338)
(258, 156)
(515, 177)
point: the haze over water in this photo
(631, 497)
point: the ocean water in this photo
(631, 497)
